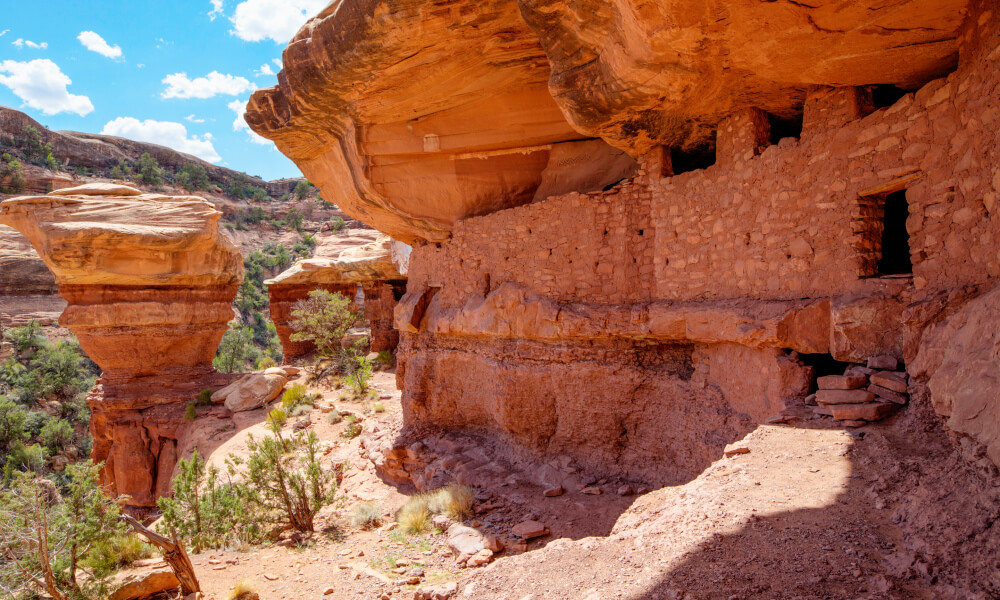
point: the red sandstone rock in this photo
(891, 380)
(150, 282)
(869, 411)
(888, 395)
(530, 529)
(486, 135)
(828, 397)
(959, 361)
(841, 382)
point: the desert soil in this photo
(806, 511)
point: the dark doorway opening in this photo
(784, 128)
(884, 96)
(895, 239)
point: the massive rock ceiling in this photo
(413, 115)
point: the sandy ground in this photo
(807, 512)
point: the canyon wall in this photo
(342, 264)
(766, 232)
(149, 281)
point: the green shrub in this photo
(294, 219)
(284, 480)
(302, 189)
(204, 398)
(293, 395)
(47, 536)
(334, 417)
(190, 412)
(378, 408)
(56, 434)
(192, 177)
(352, 429)
(236, 351)
(109, 555)
(203, 511)
(357, 368)
(322, 319)
(337, 224)
(366, 515)
(149, 171)
(13, 423)
(12, 178)
(277, 417)
(122, 170)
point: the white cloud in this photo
(265, 69)
(277, 62)
(42, 85)
(20, 43)
(166, 133)
(240, 108)
(4, 32)
(95, 43)
(193, 119)
(278, 20)
(216, 9)
(213, 84)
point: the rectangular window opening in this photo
(884, 247)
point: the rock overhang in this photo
(417, 115)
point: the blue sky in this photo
(175, 73)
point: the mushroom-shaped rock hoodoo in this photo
(417, 114)
(378, 267)
(150, 282)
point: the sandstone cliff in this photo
(150, 281)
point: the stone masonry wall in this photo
(516, 304)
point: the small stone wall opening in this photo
(884, 96)
(822, 364)
(895, 239)
(784, 128)
(883, 242)
(692, 160)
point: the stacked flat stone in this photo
(864, 393)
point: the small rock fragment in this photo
(591, 490)
(890, 380)
(841, 382)
(736, 451)
(827, 397)
(625, 490)
(530, 529)
(554, 491)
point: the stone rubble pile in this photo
(863, 394)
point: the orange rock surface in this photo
(150, 282)
(416, 115)
(786, 152)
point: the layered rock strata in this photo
(376, 268)
(640, 326)
(149, 282)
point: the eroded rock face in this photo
(414, 158)
(150, 282)
(377, 267)
(484, 106)
(27, 287)
(640, 74)
(960, 358)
